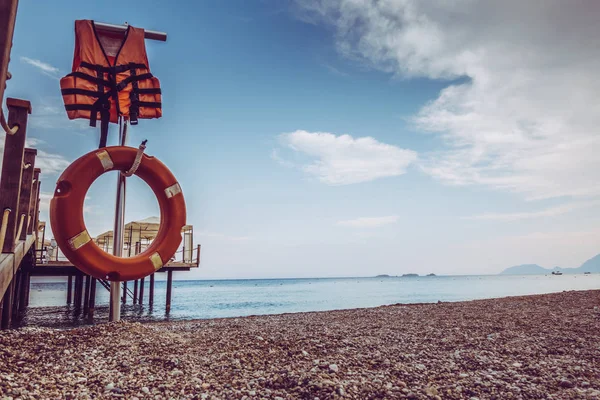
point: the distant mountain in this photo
(591, 265)
(525, 269)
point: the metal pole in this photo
(115, 287)
(152, 35)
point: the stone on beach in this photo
(543, 346)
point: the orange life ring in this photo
(66, 215)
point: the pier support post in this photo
(17, 294)
(169, 286)
(92, 303)
(27, 290)
(69, 289)
(141, 299)
(124, 297)
(24, 211)
(7, 305)
(86, 296)
(12, 169)
(78, 291)
(151, 291)
(135, 291)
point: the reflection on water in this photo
(232, 298)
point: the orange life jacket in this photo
(110, 77)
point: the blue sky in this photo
(334, 138)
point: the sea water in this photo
(235, 298)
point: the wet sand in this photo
(530, 347)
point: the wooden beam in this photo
(26, 188)
(8, 16)
(12, 168)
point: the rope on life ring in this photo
(70, 232)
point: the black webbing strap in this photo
(134, 96)
(113, 70)
(90, 78)
(150, 91)
(104, 113)
(150, 104)
(102, 103)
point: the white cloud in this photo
(343, 160)
(43, 67)
(369, 222)
(276, 157)
(548, 212)
(526, 117)
(50, 163)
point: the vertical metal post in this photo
(151, 294)
(69, 288)
(169, 287)
(115, 287)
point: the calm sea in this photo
(233, 298)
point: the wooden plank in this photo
(8, 261)
(8, 16)
(26, 188)
(12, 168)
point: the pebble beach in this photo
(528, 347)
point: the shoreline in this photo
(534, 346)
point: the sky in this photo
(348, 138)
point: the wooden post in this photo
(24, 302)
(92, 303)
(151, 293)
(12, 168)
(69, 288)
(86, 296)
(7, 301)
(78, 291)
(26, 190)
(141, 300)
(33, 198)
(36, 211)
(135, 291)
(124, 297)
(18, 278)
(169, 285)
(8, 15)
